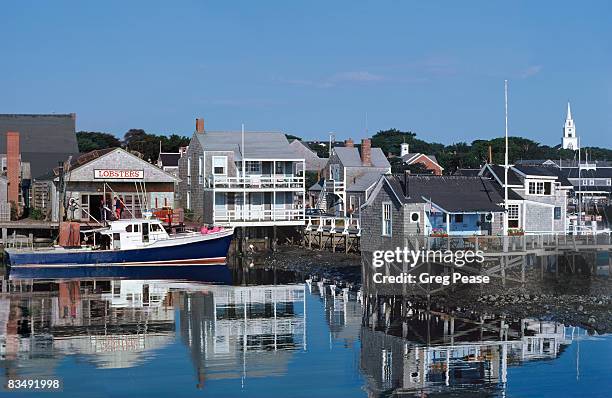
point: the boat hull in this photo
(209, 251)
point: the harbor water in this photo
(269, 333)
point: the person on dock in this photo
(117, 207)
(121, 206)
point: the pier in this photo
(334, 233)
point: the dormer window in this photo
(540, 188)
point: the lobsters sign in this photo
(119, 174)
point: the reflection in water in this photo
(410, 350)
(316, 338)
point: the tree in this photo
(149, 144)
(92, 140)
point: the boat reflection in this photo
(231, 331)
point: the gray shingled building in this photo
(45, 140)
(213, 186)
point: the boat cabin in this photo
(135, 233)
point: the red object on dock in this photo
(70, 234)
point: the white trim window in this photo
(539, 188)
(189, 171)
(188, 200)
(513, 216)
(219, 165)
(200, 169)
(386, 219)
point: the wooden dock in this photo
(334, 233)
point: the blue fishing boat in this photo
(130, 243)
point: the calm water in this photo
(279, 338)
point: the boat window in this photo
(155, 227)
(129, 228)
(136, 227)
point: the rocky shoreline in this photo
(582, 301)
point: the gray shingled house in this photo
(401, 206)
(270, 191)
(348, 177)
(45, 140)
(537, 197)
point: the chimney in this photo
(366, 152)
(199, 125)
(349, 143)
(12, 166)
(406, 191)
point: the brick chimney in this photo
(349, 143)
(199, 125)
(366, 152)
(12, 166)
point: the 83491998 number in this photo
(33, 384)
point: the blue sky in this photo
(307, 68)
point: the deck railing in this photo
(255, 215)
(278, 181)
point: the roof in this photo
(544, 171)
(44, 140)
(169, 159)
(311, 160)
(454, 194)
(498, 172)
(600, 172)
(413, 157)
(350, 157)
(536, 162)
(467, 172)
(257, 145)
(363, 181)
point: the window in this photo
(280, 167)
(253, 167)
(557, 213)
(609, 181)
(352, 202)
(136, 227)
(128, 228)
(591, 182)
(200, 168)
(219, 165)
(188, 171)
(459, 218)
(188, 200)
(155, 228)
(540, 188)
(386, 227)
(513, 216)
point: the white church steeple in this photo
(570, 140)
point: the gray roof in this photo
(600, 172)
(257, 145)
(350, 157)
(455, 194)
(44, 140)
(311, 160)
(467, 172)
(169, 159)
(363, 181)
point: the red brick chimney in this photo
(199, 125)
(12, 166)
(349, 143)
(366, 152)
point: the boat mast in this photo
(505, 232)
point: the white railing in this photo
(344, 225)
(336, 187)
(258, 182)
(254, 215)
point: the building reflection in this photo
(415, 352)
(241, 332)
(231, 331)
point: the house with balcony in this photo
(537, 196)
(242, 179)
(348, 178)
